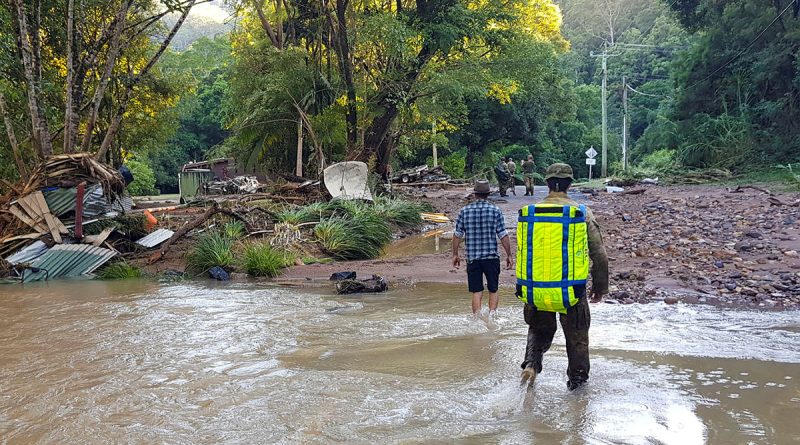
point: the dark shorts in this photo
(476, 270)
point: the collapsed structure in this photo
(41, 217)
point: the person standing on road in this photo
(553, 238)
(528, 168)
(501, 171)
(480, 224)
(512, 170)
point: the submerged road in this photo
(200, 363)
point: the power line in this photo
(647, 94)
(750, 45)
(654, 48)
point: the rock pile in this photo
(702, 244)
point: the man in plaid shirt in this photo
(480, 224)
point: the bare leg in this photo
(476, 302)
(494, 300)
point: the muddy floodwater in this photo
(200, 363)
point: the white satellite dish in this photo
(348, 180)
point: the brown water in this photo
(199, 363)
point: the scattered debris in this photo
(420, 174)
(348, 180)
(43, 207)
(376, 284)
(218, 274)
(66, 260)
(235, 186)
(439, 218)
(155, 238)
(28, 254)
(339, 276)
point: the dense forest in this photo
(690, 84)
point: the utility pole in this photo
(604, 165)
(435, 151)
(624, 124)
(603, 93)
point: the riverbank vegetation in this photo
(690, 85)
(315, 233)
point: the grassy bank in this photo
(315, 233)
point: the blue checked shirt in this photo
(481, 224)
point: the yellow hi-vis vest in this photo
(552, 256)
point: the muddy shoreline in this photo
(695, 244)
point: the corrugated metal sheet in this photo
(155, 238)
(60, 201)
(68, 260)
(28, 254)
(190, 182)
(123, 204)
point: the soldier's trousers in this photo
(528, 184)
(542, 328)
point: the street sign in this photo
(591, 153)
(591, 161)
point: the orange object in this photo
(151, 220)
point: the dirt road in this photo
(703, 244)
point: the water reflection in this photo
(95, 362)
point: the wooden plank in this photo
(97, 240)
(49, 217)
(27, 219)
(37, 208)
(20, 237)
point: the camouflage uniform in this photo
(528, 168)
(503, 185)
(575, 323)
(512, 170)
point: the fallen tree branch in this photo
(634, 192)
(180, 233)
(741, 188)
(777, 202)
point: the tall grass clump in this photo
(354, 238)
(234, 230)
(400, 213)
(212, 249)
(299, 215)
(119, 271)
(262, 260)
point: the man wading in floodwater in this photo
(481, 223)
(552, 270)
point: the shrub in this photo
(119, 271)
(660, 161)
(455, 164)
(722, 142)
(261, 260)
(144, 180)
(212, 249)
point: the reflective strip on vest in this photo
(552, 255)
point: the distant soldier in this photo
(528, 168)
(512, 170)
(555, 240)
(503, 177)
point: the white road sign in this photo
(591, 153)
(591, 161)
